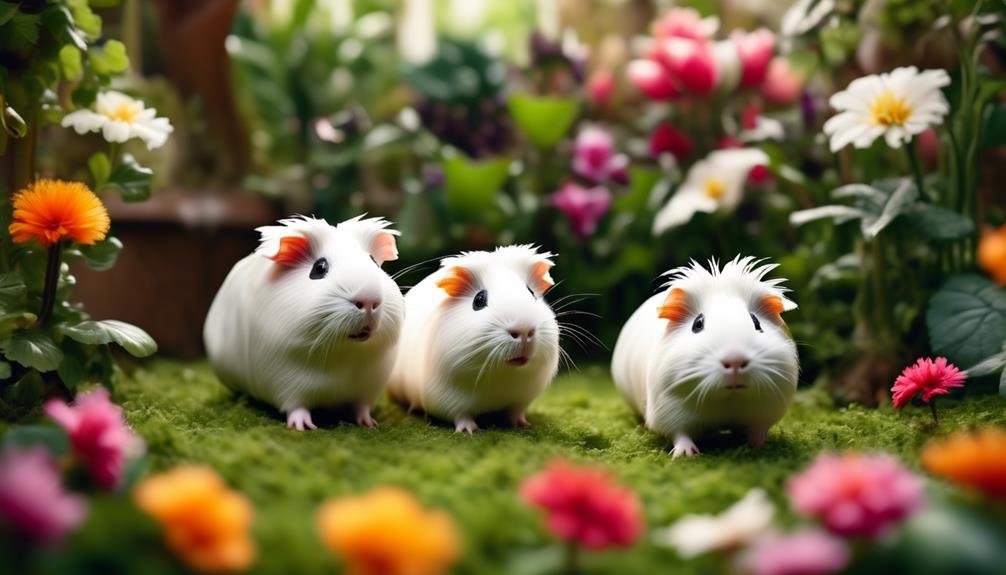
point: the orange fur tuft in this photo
(540, 277)
(457, 282)
(773, 308)
(675, 306)
(292, 251)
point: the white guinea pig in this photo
(478, 337)
(309, 319)
(709, 352)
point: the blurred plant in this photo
(992, 253)
(387, 532)
(975, 459)
(740, 524)
(33, 502)
(807, 552)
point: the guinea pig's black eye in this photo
(699, 323)
(481, 300)
(319, 269)
(757, 323)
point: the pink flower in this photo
(98, 433)
(781, 85)
(856, 494)
(600, 86)
(594, 157)
(583, 206)
(668, 139)
(809, 552)
(928, 377)
(755, 51)
(585, 505)
(650, 78)
(32, 499)
(684, 23)
(691, 64)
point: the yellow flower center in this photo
(889, 110)
(125, 113)
(715, 188)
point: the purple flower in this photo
(809, 552)
(32, 499)
(583, 206)
(594, 157)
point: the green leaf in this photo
(12, 287)
(23, 395)
(7, 11)
(543, 120)
(17, 320)
(967, 319)
(100, 168)
(641, 182)
(99, 256)
(34, 349)
(900, 200)
(70, 62)
(131, 179)
(471, 185)
(994, 131)
(20, 34)
(109, 59)
(72, 370)
(133, 339)
(938, 223)
(13, 124)
(54, 439)
(85, 18)
(5, 370)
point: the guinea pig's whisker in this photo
(567, 360)
(573, 328)
(577, 312)
(412, 267)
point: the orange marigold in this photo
(992, 253)
(204, 522)
(51, 210)
(976, 460)
(387, 532)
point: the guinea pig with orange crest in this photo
(310, 319)
(478, 337)
(709, 352)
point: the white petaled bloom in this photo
(764, 129)
(120, 118)
(804, 16)
(714, 183)
(745, 521)
(897, 105)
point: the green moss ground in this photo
(187, 416)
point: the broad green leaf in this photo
(543, 120)
(641, 182)
(34, 349)
(16, 320)
(7, 11)
(71, 63)
(101, 168)
(967, 319)
(20, 33)
(133, 339)
(109, 59)
(85, 18)
(100, 256)
(72, 370)
(471, 185)
(131, 179)
(938, 223)
(54, 439)
(23, 395)
(897, 203)
(12, 287)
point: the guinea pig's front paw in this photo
(363, 417)
(300, 419)
(465, 425)
(683, 445)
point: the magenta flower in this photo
(928, 377)
(856, 494)
(32, 499)
(98, 433)
(650, 78)
(809, 552)
(755, 52)
(684, 23)
(594, 157)
(691, 63)
(781, 86)
(668, 139)
(583, 206)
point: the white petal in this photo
(115, 131)
(83, 121)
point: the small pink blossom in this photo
(755, 50)
(809, 552)
(684, 23)
(594, 157)
(600, 87)
(32, 499)
(691, 64)
(856, 494)
(98, 433)
(650, 78)
(781, 86)
(668, 139)
(583, 206)
(928, 377)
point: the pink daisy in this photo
(928, 377)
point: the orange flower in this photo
(387, 532)
(976, 460)
(992, 253)
(51, 210)
(204, 522)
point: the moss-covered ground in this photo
(185, 415)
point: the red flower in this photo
(928, 377)
(600, 86)
(585, 505)
(668, 139)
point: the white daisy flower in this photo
(897, 105)
(764, 129)
(713, 183)
(120, 118)
(804, 16)
(745, 521)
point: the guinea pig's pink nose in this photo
(521, 332)
(735, 361)
(367, 304)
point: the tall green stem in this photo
(913, 158)
(51, 283)
(572, 557)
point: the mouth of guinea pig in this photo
(518, 361)
(362, 335)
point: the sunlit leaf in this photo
(133, 339)
(33, 349)
(543, 120)
(472, 185)
(967, 319)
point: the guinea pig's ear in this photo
(457, 281)
(539, 279)
(676, 307)
(384, 248)
(293, 250)
(773, 305)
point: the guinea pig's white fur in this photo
(298, 342)
(736, 367)
(456, 362)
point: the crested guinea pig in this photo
(309, 319)
(478, 337)
(708, 352)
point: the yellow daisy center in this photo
(715, 188)
(126, 112)
(889, 110)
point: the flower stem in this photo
(572, 557)
(913, 158)
(51, 283)
(932, 408)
